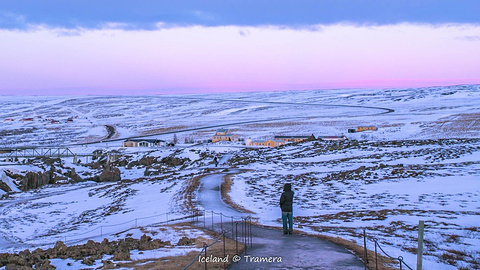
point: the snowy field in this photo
(423, 163)
(419, 113)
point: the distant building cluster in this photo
(47, 120)
(144, 143)
(227, 135)
(361, 129)
(224, 135)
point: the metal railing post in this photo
(365, 247)
(236, 234)
(221, 221)
(205, 247)
(376, 261)
(251, 235)
(213, 229)
(224, 251)
(245, 234)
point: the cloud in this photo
(8, 20)
(143, 15)
(202, 15)
(469, 38)
(243, 33)
(220, 58)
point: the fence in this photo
(238, 229)
(101, 232)
(378, 247)
(227, 226)
(245, 234)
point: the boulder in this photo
(59, 249)
(73, 175)
(185, 241)
(110, 174)
(33, 180)
(173, 161)
(17, 267)
(108, 265)
(122, 254)
(88, 261)
(4, 186)
(147, 161)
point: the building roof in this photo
(292, 137)
(269, 140)
(144, 140)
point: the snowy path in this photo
(296, 251)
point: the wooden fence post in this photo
(420, 244)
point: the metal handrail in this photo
(399, 258)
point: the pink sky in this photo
(49, 61)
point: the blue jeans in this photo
(287, 216)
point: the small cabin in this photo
(332, 138)
(265, 143)
(361, 129)
(143, 143)
(293, 138)
(224, 135)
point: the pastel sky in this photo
(153, 47)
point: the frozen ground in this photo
(435, 112)
(385, 187)
(412, 168)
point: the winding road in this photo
(296, 251)
(381, 109)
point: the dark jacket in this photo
(286, 200)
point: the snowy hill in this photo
(421, 163)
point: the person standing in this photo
(286, 204)
(215, 160)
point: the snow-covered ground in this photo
(385, 187)
(419, 112)
(412, 168)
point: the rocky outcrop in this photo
(4, 186)
(73, 175)
(185, 241)
(147, 161)
(110, 173)
(25, 260)
(173, 161)
(34, 180)
(87, 253)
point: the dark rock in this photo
(73, 175)
(121, 255)
(185, 241)
(173, 161)
(4, 186)
(88, 261)
(59, 249)
(17, 267)
(108, 265)
(132, 164)
(110, 174)
(147, 161)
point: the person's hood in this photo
(287, 187)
